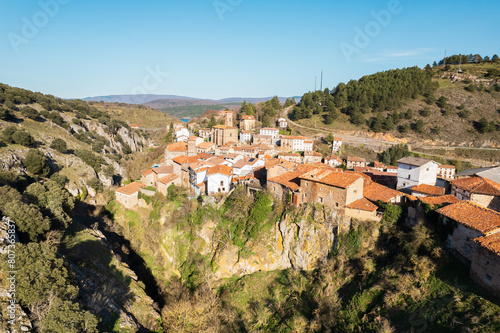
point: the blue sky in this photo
(228, 48)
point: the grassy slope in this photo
(144, 117)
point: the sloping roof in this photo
(270, 128)
(312, 153)
(205, 145)
(216, 160)
(164, 169)
(441, 200)
(446, 166)
(491, 243)
(375, 192)
(239, 164)
(329, 177)
(167, 179)
(471, 172)
(288, 179)
(185, 159)
(289, 154)
(204, 156)
(428, 189)
(276, 161)
(292, 137)
(473, 216)
(130, 188)
(356, 159)
(222, 169)
(224, 127)
(362, 204)
(416, 161)
(477, 185)
(147, 172)
(247, 118)
(491, 174)
(178, 146)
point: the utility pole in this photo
(321, 80)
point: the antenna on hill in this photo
(315, 79)
(321, 88)
(459, 64)
(444, 60)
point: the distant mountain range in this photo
(161, 101)
(182, 106)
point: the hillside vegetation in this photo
(435, 106)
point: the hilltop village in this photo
(217, 160)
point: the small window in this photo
(408, 176)
(358, 211)
(331, 191)
(336, 204)
(221, 183)
(321, 200)
(427, 169)
(355, 191)
(488, 277)
(321, 189)
(487, 262)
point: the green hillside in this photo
(437, 104)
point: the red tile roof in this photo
(356, 159)
(167, 179)
(178, 146)
(478, 185)
(491, 242)
(163, 169)
(222, 169)
(441, 200)
(247, 117)
(329, 177)
(375, 192)
(473, 216)
(130, 188)
(288, 179)
(362, 204)
(147, 172)
(185, 159)
(446, 166)
(428, 189)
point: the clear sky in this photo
(229, 48)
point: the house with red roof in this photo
(468, 221)
(480, 190)
(219, 179)
(485, 263)
(128, 195)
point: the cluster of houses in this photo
(469, 200)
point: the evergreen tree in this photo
(36, 163)
(419, 126)
(329, 138)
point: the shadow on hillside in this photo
(103, 288)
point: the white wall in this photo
(214, 183)
(410, 175)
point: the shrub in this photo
(37, 163)
(464, 114)
(23, 138)
(470, 88)
(59, 179)
(29, 112)
(6, 114)
(8, 132)
(59, 145)
(95, 184)
(426, 112)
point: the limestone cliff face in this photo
(302, 240)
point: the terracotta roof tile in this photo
(446, 166)
(222, 169)
(130, 188)
(163, 169)
(167, 179)
(185, 159)
(205, 145)
(329, 177)
(491, 242)
(478, 185)
(362, 204)
(288, 179)
(375, 192)
(147, 172)
(356, 159)
(428, 189)
(441, 200)
(178, 146)
(247, 117)
(473, 216)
